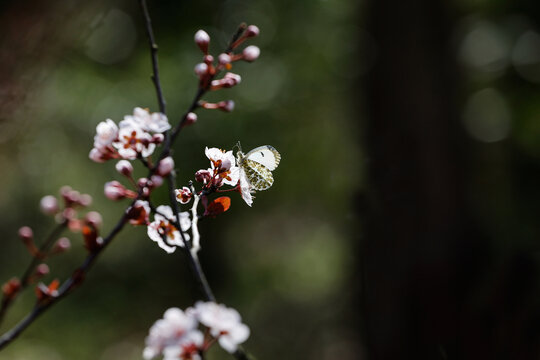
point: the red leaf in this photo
(218, 206)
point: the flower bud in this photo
(42, 270)
(156, 180)
(203, 176)
(26, 234)
(158, 138)
(94, 218)
(85, 200)
(252, 31)
(61, 245)
(97, 156)
(165, 166)
(124, 167)
(114, 190)
(202, 39)
(226, 106)
(224, 59)
(251, 53)
(191, 118)
(11, 287)
(49, 205)
(201, 69)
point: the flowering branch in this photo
(135, 138)
(17, 286)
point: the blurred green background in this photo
(325, 265)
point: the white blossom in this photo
(224, 323)
(175, 330)
(163, 231)
(133, 140)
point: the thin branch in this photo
(153, 54)
(77, 276)
(25, 279)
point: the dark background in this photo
(403, 222)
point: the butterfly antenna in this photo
(238, 146)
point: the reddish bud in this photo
(49, 205)
(41, 270)
(165, 166)
(202, 39)
(85, 200)
(226, 106)
(203, 176)
(11, 288)
(61, 245)
(191, 118)
(251, 53)
(115, 191)
(156, 180)
(224, 59)
(124, 167)
(201, 69)
(218, 206)
(94, 218)
(158, 138)
(26, 234)
(251, 31)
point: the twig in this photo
(153, 54)
(69, 284)
(25, 279)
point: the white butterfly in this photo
(257, 165)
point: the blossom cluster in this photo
(135, 136)
(224, 171)
(177, 335)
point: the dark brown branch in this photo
(77, 276)
(25, 279)
(153, 54)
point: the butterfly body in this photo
(257, 166)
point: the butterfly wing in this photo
(260, 178)
(265, 155)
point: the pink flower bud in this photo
(42, 270)
(85, 200)
(208, 59)
(26, 234)
(201, 69)
(224, 59)
(142, 182)
(203, 176)
(114, 190)
(165, 166)
(157, 180)
(226, 106)
(252, 31)
(251, 53)
(124, 167)
(158, 138)
(97, 156)
(235, 77)
(202, 39)
(191, 118)
(94, 218)
(63, 244)
(49, 205)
